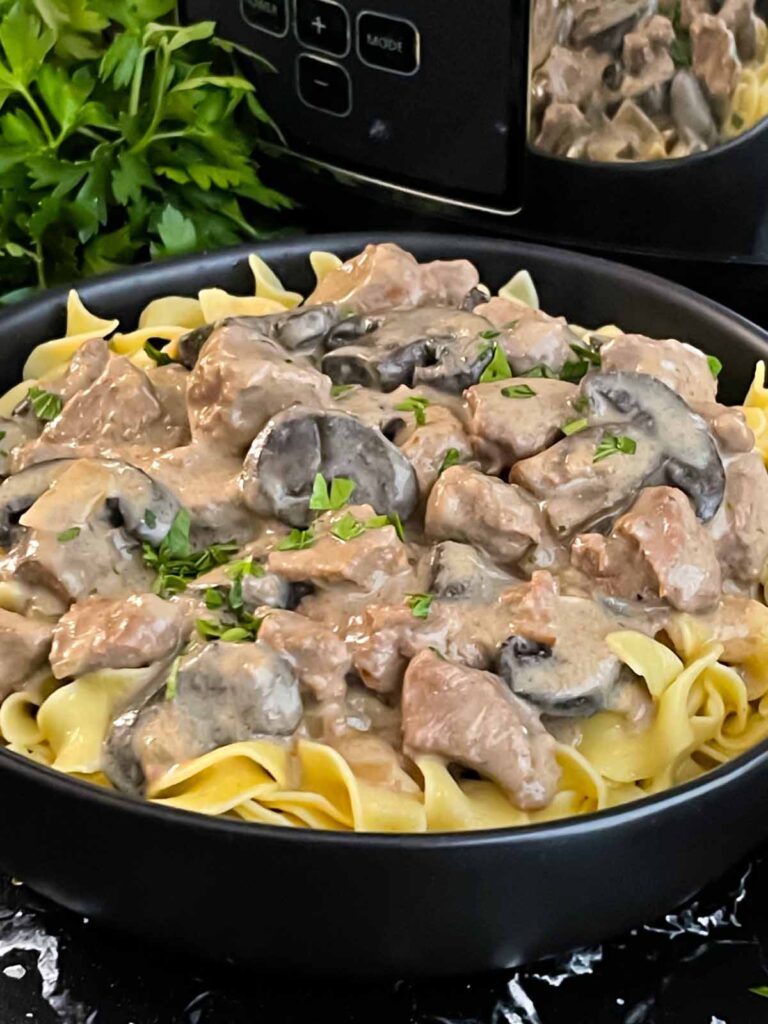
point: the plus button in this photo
(319, 25)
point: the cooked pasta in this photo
(612, 681)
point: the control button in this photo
(268, 15)
(323, 85)
(323, 25)
(391, 44)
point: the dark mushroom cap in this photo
(281, 466)
(441, 347)
(146, 508)
(304, 328)
(690, 460)
(20, 491)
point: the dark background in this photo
(695, 967)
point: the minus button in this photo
(323, 85)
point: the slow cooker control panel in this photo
(427, 97)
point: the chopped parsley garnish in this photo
(396, 521)
(333, 498)
(2, 435)
(158, 356)
(177, 563)
(417, 405)
(715, 366)
(498, 368)
(580, 404)
(681, 49)
(213, 598)
(339, 390)
(172, 682)
(348, 528)
(760, 990)
(611, 444)
(540, 371)
(419, 604)
(574, 427)
(45, 404)
(737, 120)
(587, 352)
(150, 518)
(452, 458)
(71, 534)
(243, 567)
(489, 335)
(518, 391)
(247, 629)
(297, 540)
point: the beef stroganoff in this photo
(400, 556)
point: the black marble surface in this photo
(697, 966)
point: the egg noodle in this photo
(750, 99)
(710, 698)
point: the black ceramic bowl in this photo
(373, 904)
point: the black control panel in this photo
(427, 96)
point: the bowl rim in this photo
(723, 776)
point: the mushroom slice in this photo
(574, 676)
(690, 460)
(296, 445)
(462, 573)
(429, 345)
(20, 491)
(225, 693)
(302, 329)
(52, 494)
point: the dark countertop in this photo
(695, 967)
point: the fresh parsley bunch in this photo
(122, 136)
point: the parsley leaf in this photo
(177, 563)
(45, 404)
(611, 444)
(340, 390)
(452, 458)
(588, 353)
(715, 366)
(150, 518)
(71, 534)
(760, 990)
(417, 405)
(420, 604)
(348, 528)
(490, 334)
(333, 498)
(518, 391)
(172, 682)
(540, 371)
(574, 427)
(159, 357)
(297, 540)
(122, 135)
(247, 629)
(498, 368)
(396, 521)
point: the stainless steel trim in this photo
(312, 106)
(260, 28)
(382, 183)
(312, 46)
(379, 67)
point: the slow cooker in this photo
(427, 111)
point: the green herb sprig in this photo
(420, 604)
(451, 458)
(498, 368)
(46, 405)
(177, 563)
(122, 136)
(325, 498)
(611, 444)
(417, 405)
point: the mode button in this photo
(391, 44)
